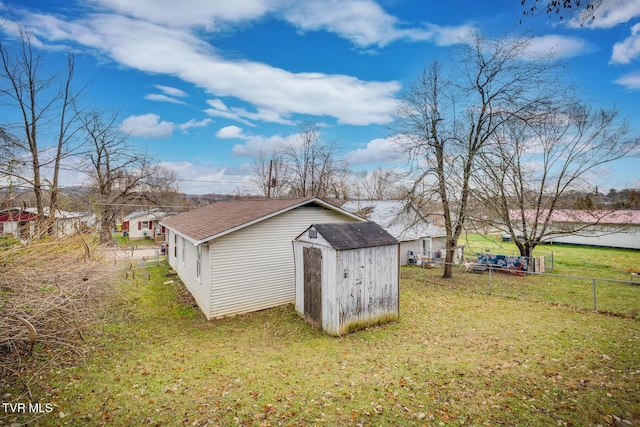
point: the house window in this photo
(175, 246)
(184, 251)
(199, 264)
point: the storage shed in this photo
(347, 276)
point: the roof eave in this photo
(320, 202)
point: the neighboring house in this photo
(20, 222)
(615, 229)
(237, 256)
(145, 224)
(419, 235)
(347, 276)
(17, 222)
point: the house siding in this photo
(253, 268)
(187, 269)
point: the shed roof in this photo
(344, 236)
(220, 218)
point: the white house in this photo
(20, 222)
(418, 234)
(144, 224)
(347, 276)
(614, 229)
(237, 256)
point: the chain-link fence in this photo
(601, 294)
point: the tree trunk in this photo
(448, 260)
(105, 232)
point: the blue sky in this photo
(205, 85)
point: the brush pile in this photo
(49, 292)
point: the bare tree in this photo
(118, 173)
(313, 164)
(378, 184)
(586, 10)
(271, 171)
(43, 133)
(532, 163)
(448, 115)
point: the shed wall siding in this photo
(253, 268)
(370, 290)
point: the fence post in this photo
(490, 280)
(594, 295)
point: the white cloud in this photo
(256, 144)
(172, 91)
(230, 132)
(608, 14)
(217, 104)
(163, 98)
(556, 45)
(380, 150)
(147, 126)
(624, 52)
(193, 124)
(242, 115)
(630, 81)
(202, 13)
(150, 126)
(364, 23)
(161, 40)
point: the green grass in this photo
(455, 357)
(570, 281)
(121, 240)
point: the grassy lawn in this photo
(121, 240)
(570, 282)
(454, 358)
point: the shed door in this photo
(312, 260)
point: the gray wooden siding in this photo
(253, 268)
(369, 293)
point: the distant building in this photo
(21, 222)
(419, 235)
(614, 229)
(145, 224)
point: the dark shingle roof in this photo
(344, 236)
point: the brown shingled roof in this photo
(217, 218)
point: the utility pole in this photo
(269, 182)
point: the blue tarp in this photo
(514, 263)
